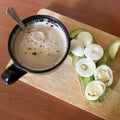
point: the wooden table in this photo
(23, 102)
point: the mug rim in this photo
(27, 21)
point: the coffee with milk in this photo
(42, 47)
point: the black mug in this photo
(18, 69)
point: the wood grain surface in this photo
(64, 84)
(21, 101)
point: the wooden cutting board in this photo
(64, 84)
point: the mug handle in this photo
(12, 74)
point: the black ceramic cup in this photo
(17, 69)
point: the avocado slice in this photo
(85, 81)
(75, 32)
(104, 60)
(74, 60)
(113, 49)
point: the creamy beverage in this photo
(42, 47)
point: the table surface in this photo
(21, 101)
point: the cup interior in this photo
(39, 37)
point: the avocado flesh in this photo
(75, 32)
(74, 60)
(85, 80)
(105, 60)
(113, 49)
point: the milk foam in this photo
(42, 48)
